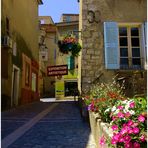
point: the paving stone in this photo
(62, 127)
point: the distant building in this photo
(114, 44)
(69, 25)
(19, 52)
(69, 17)
(48, 47)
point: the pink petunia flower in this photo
(124, 130)
(127, 114)
(136, 145)
(114, 118)
(132, 104)
(142, 138)
(141, 118)
(127, 139)
(113, 141)
(120, 115)
(134, 124)
(102, 140)
(114, 127)
(120, 107)
(116, 136)
(136, 130)
(128, 145)
(121, 139)
(130, 122)
(130, 131)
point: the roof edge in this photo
(40, 2)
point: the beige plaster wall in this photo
(23, 17)
(23, 20)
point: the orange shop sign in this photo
(57, 70)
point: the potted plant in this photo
(69, 44)
(120, 121)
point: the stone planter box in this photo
(99, 128)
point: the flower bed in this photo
(125, 118)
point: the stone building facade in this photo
(106, 51)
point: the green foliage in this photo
(69, 44)
(103, 96)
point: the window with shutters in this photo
(125, 45)
(130, 47)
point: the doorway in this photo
(70, 87)
(15, 86)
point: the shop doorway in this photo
(70, 87)
(15, 86)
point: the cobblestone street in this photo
(45, 125)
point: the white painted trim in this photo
(130, 24)
(18, 77)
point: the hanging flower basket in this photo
(69, 44)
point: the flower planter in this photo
(99, 128)
(69, 44)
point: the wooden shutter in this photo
(70, 62)
(144, 43)
(111, 45)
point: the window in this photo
(42, 21)
(34, 80)
(68, 18)
(129, 47)
(27, 74)
(7, 26)
(125, 46)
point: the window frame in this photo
(129, 46)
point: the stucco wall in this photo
(23, 24)
(93, 36)
(23, 17)
(62, 60)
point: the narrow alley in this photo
(45, 125)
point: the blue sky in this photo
(55, 8)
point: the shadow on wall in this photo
(5, 102)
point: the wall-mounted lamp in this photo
(92, 17)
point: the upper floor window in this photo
(129, 47)
(68, 18)
(42, 21)
(7, 26)
(125, 45)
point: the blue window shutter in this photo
(70, 62)
(145, 35)
(144, 43)
(111, 45)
